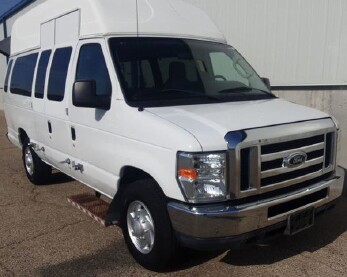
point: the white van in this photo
(146, 103)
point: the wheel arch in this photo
(128, 175)
(22, 136)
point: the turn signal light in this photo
(191, 174)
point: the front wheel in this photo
(146, 225)
(140, 227)
(37, 171)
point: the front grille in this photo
(275, 173)
(296, 155)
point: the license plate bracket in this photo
(300, 221)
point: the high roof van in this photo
(182, 142)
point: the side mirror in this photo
(84, 95)
(267, 82)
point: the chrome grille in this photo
(272, 155)
(260, 160)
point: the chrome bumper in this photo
(222, 220)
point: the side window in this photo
(92, 67)
(58, 74)
(41, 74)
(23, 74)
(9, 68)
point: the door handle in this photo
(49, 127)
(67, 161)
(77, 167)
(73, 133)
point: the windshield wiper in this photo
(236, 89)
(180, 90)
(192, 92)
(244, 89)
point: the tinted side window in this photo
(8, 75)
(41, 74)
(58, 74)
(23, 74)
(92, 67)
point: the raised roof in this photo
(116, 17)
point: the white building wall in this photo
(294, 42)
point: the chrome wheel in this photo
(29, 161)
(140, 227)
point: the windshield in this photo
(169, 71)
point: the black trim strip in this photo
(310, 87)
(297, 203)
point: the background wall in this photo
(294, 42)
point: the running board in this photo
(91, 205)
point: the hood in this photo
(209, 123)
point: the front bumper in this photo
(223, 222)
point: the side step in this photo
(91, 205)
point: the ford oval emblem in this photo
(295, 160)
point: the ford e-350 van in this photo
(146, 103)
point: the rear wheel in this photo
(36, 170)
(146, 225)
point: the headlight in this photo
(202, 177)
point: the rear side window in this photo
(58, 74)
(92, 67)
(41, 74)
(9, 68)
(23, 75)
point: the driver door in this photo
(90, 136)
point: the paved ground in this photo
(42, 235)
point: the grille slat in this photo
(265, 166)
(282, 154)
(291, 178)
(281, 170)
(291, 145)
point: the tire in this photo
(146, 196)
(37, 171)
